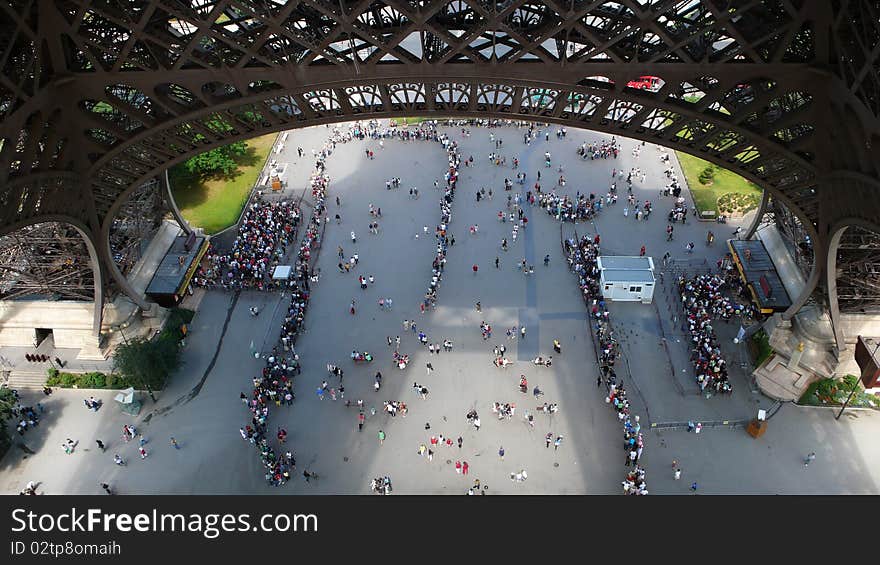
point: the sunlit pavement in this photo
(324, 435)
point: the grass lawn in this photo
(413, 121)
(725, 182)
(214, 203)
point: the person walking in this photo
(501, 452)
(599, 380)
(522, 332)
(548, 439)
(174, 443)
(458, 467)
(381, 437)
(429, 367)
(460, 441)
(677, 474)
(809, 458)
(694, 487)
(557, 442)
(361, 419)
(106, 488)
(143, 452)
(101, 445)
(464, 468)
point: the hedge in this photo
(93, 379)
(170, 333)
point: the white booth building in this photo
(627, 278)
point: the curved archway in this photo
(749, 88)
(605, 126)
(481, 113)
(60, 266)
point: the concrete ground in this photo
(201, 409)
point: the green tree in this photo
(7, 403)
(147, 363)
(707, 175)
(220, 160)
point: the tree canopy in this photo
(7, 403)
(147, 362)
(220, 160)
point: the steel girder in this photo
(49, 259)
(99, 96)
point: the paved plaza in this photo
(202, 410)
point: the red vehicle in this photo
(651, 83)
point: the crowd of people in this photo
(582, 207)
(264, 234)
(28, 416)
(381, 485)
(275, 383)
(582, 255)
(704, 302)
(441, 232)
(599, 150)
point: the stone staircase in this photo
(25, 378)
(779, 382)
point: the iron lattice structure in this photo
(858, 271)
(135, 224)
(796, 237)
(49, 259)
(98, 96)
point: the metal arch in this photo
(759, 214)
(113, 97)
(172, 204)
(836, 233)
(811, 284)
(831, 281)
(94, 258)
(778, 193)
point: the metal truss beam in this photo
(97, 97)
